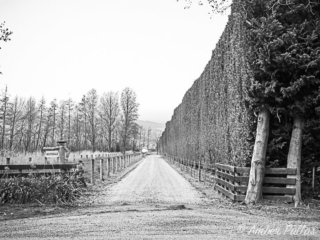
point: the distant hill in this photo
(152, 125)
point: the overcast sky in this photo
(64, 48)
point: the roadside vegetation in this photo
(41, 189)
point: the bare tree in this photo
(62, 118)
(84, 112)
(46, 130)
(129, 114)
(77, 127)
(134, 134)
(4, 106)
(140, 137)
(16, 110)
(69, 106)
(30, 116)
(53, 113)
(92, 100)
(109, 113)
(42, 108)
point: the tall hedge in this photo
(213, 122)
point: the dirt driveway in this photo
(155, 202)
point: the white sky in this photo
(64, 48)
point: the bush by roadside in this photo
(56, 188)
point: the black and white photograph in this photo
(149, 119)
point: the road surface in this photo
(154, 202)
(153, 181)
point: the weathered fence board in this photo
(224, 191)
(280, 180)
(38, 166)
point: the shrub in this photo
(56, 188)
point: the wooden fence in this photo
(112, 165)
(25, 170)
(105, 167)
(233, 181)
(202, 171)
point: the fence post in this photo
(113, 165)
(92, 171)
(205, 171)
(7, 161)
(121, 162)
(101, 169)
(199, 170)
(108, 166)
(127, 161)
(117, 163)
(236, 183)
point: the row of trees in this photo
(105, 123)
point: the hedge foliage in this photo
(268, 55)
(213, 122)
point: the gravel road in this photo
(154, 181)
(155, 202)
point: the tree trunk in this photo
(5, 103)
(254, 191)
(294, 157)
(39, 129)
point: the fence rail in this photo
(106, 166)
(112, 165)
(25, 170)
(233, 181)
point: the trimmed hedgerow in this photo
(268, 56)
(213, 122)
